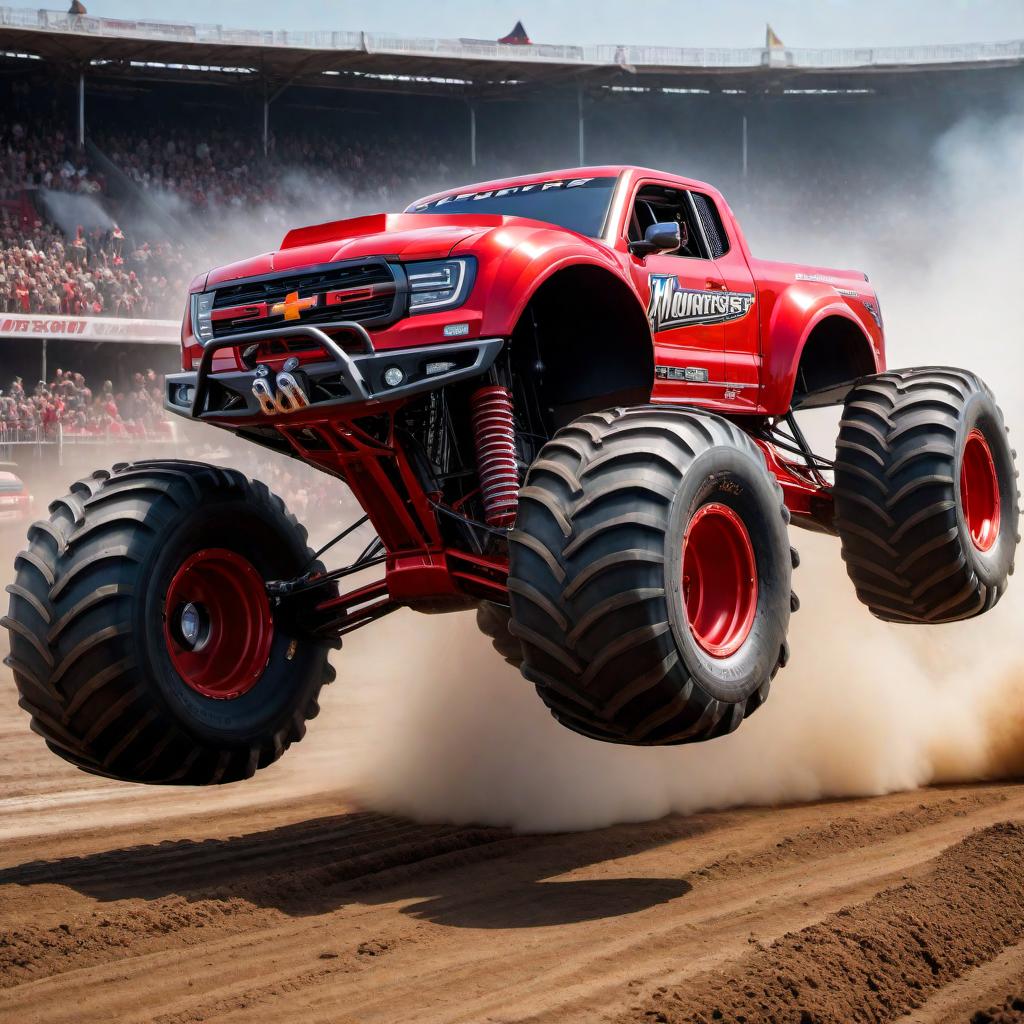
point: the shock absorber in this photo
(495, 440)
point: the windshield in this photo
(579, 204)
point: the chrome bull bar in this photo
(347, 368)
(291, 388)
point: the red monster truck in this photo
(564, 399)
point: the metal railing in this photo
(25, 435)
(126, 28)
(59, 434)
(469, 49)
(107, 437)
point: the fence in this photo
(25, 435)
(34, 440)
(163, 433)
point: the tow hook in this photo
(284, 392)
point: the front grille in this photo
(365, 292)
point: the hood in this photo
(404, 236)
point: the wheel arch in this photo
(585, 326)
(835, 352)
(832, 353)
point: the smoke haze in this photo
(70, 211)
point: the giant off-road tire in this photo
(650, 576)
(926, 495)
(120, 678)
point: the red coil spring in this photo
(495, 438)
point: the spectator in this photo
(67, 401)
(39, 274)
(206, 173)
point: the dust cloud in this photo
(443, 730)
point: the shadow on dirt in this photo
(543, 904)
(452, 875)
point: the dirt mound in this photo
(878, 960)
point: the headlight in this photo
(202, 315)
(439, 284)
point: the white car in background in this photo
(15, 499)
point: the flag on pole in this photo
(771, 40)
(517, 37)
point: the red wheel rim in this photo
(217, 623)
(979, 491)
(719, 580)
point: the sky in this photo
(725, 23)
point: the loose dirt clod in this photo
(1011, 1012)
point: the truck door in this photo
(678, 288)
(742, 342)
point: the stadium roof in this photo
(367, 60)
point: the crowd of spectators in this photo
(210, 168)
(92, 273)
(43, 156)
(192, 179)
(69, 405)
(134, 415)
(131, 420)
(218, 171)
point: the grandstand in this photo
(89, 51)
(133, 153)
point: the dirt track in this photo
(251, 903)
(278, 900)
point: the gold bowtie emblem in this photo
(293, 306)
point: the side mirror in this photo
(663, 237)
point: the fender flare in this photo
(593, 332)
(786, 348)
(526, 279)
(572, 262)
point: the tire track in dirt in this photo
(244, 877)
(718, 924)
(28, 952)
(589, 971)
(818, 862)
(274, 969)
(812, 842)
(350, 962)
(259, 857)
(877, 960)
(203, 886)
